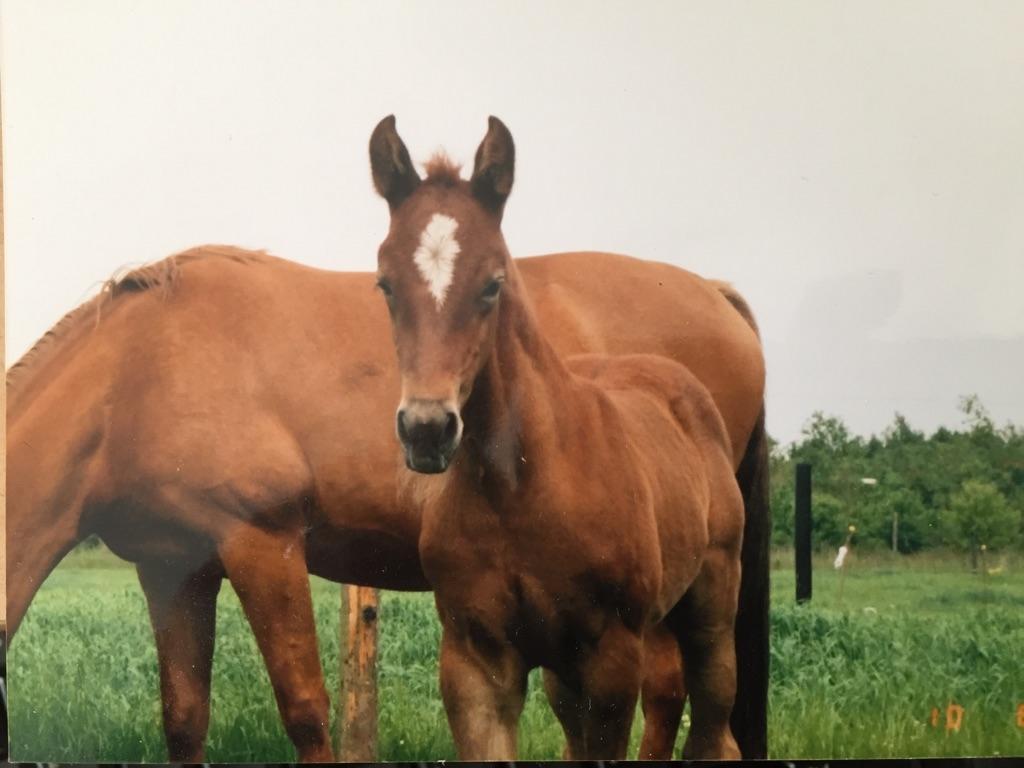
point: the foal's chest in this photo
(535, 578)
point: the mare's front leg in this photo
(267, 568)
(705, 622)
(663, 695)
(483, 684)
(182, 603)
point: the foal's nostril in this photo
(403, 430)
(451, 427)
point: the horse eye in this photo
(491, 290)
(385, 288)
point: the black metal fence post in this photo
(802, 538)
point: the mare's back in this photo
(598, 302)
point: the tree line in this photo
(962, 489)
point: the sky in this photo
(855, 169)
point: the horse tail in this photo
(750, 712)
(738, 302)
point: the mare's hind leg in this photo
(705, 621)
(267, 569)
(663, 695)
(183, 608)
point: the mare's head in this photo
(441, 271)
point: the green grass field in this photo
(857, 678)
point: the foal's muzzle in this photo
(429, 431)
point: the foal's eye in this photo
(490, 292)
(385, 287)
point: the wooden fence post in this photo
(357, 721)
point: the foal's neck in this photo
(518, 398)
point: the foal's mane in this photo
(442, 171)
(159, 275)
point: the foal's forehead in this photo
(435, 255)
(431, 212)
(438, 236)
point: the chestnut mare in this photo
(224, 413)
(576, 506)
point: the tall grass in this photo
(848, 685)
(856, 678)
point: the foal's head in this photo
(441, 270)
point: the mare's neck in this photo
(512, 417)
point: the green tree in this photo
(979, 514)
(918, 476)
(826, 440)
(782, 501)
(976, 415)
(916, 524)
(829, 520)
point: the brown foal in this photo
(570, 508)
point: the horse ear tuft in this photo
(494, 167)
(394, 176)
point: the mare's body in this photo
(227, 413)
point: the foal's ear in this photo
(494, 167)
(394, 176)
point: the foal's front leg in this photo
(483, 683)
(663, 695)
(596, 707)
(568, 708)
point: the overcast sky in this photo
(856, 169)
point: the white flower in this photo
(841, 557)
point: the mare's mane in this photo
(160, 275)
